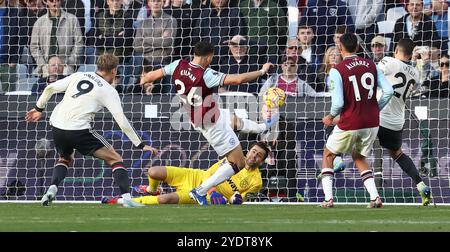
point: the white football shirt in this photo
(85, 94)
(403, 78)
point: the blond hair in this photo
(107, 62)
(327, 65)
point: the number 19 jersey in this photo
(359, 78)
(403, 77)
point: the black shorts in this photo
(390, 139)
(86, 141)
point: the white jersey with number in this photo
(85, 94)
(403, 78)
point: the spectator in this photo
(81, 9)
(55, 72)
(378, 48)
(415, 25)
(56, 33)
(28, 15)
(365, 15)
(426, 60)
(440, 18)
(186, 16)
(218, 23)
(438, 86)
(114, 34)
(154, 37)
(9, 46)
(331, 59)
(324, 16)
(289, 80)
(239, 61)
(310, 52)
(267, 24)
(133, 7)
(340, 30)
(310, 57)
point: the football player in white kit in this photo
(86, 94)
(403, 77)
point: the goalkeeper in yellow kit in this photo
(233, 190)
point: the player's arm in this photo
(236, 79)
(383, 65)
(158, 74)
(113, 104)
(386, 88)
(337, 97)
(59, 86)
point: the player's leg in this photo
(155, 174)
(327, 177)
(392, 140)
(247, 126)
(65, 150)
(225, 142)
(170, 198)
(119, 170)
(407, 165)
(339, 141)
(363, 147)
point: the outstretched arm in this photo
(236, 79)
(152, 76)
(59, 86)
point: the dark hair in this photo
(406, 45)
(263, 146)
(107, 62)
(340, 29)
(305, 27)
(350, 42)
(203, 48)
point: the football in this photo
(274, 97)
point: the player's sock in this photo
(152, 184)
(52, 190)
(147, 200)
(327, 183)
(408, 167)
(224, 172)
(59, 173)
(369, 183)
(121, 179)
(249, 126)
(421, 186)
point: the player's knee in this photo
(396, 153)
(156, 172)
(64, 160)
(167, 199)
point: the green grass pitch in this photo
(185, 218)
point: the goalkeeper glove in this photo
(236, 199)
(217, 198)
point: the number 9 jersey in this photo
(85, 94)
(403, 78)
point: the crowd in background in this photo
(49, 39)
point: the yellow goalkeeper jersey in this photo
(245, 181)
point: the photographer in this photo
(426, 61)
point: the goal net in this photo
(299, 40)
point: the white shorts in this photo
(220, 135)
(344, 141)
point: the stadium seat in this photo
(395, 13)
(87, 68)
(24, 80)
(386, 27)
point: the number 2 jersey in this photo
(196, 87)
(85, 94)
(354, 84)
(403, 77)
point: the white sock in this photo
(52, 190)
(249, 126)
(126, 196)
(327, 183)
(224, 172)
(421, 186)
(369, 183)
